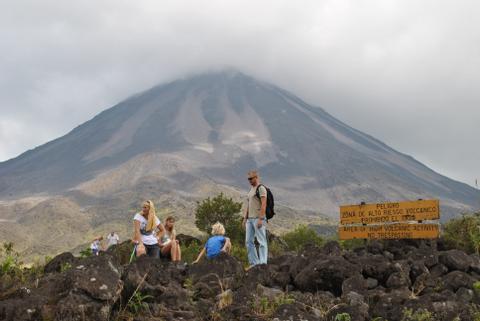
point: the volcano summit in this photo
(194, 135)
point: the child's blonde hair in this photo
(218, 229)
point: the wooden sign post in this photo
(390, 220)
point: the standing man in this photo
(254, 221)
(112, 239)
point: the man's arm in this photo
(263, 207)
(245, 216)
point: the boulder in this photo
(187, 240)
(455, 260)
(293, 312)
(398, 280)
(60, 262)
(372, 283)
(388, 305)
(357, 312)
(270, 293)
(475, 263)
(376, 266)
(122, 252)
(456, 280)
(356, 283)
(155, 277)
(375, 247)
(267, 275)
(326, 274)
(465, 295)
(87, 291)
(224, 266)
(417, 268)
(438, 270)
(332, 248)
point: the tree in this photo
(220, 209)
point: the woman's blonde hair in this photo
(151, 220)
(218, 229)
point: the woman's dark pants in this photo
(153, 250)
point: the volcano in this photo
(212, 128)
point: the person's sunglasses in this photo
(251, 178)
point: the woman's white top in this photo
(148, 237)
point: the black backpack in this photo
(269, 211)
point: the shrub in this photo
(476, 287)
(239, 251)
(301, 236)
(138, 302)
(419, 315)
(463, 233)
(343, 317)
(262, 306)
(352, 244)
(276, 248)
(65, 266)
(220, 209)
(9, 260)
(190, 253)
(86, 253)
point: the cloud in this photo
(403, 71)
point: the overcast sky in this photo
(406, 72)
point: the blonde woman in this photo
(144, 224)
(216, 244)
(169, 246)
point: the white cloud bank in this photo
(403, 71)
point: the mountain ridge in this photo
(218, 125)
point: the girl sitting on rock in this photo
(96, 246)
(169, 246)
(216, 244)
(144, 225)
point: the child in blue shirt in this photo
(216, 244)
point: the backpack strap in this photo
(257, 192)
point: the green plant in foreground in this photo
(239, 251)
(263, 306)
(86, 252)
(474, 312)
(190, 253)
(419, 315)
(343, 317)
(9, 260)
(138, 302)
(65, 266)
(188, 284)
(476, 287)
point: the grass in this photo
(418, 315)
(343, 317)
(264, 307)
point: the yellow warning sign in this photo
(389, 231)
(390, 212)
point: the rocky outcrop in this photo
(88, 290)
(388, 280)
